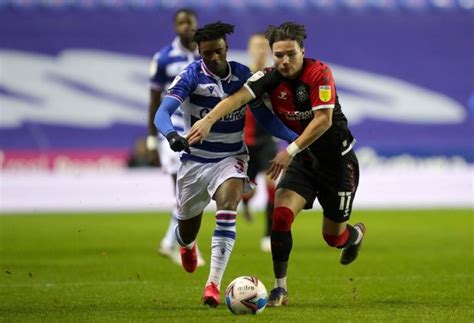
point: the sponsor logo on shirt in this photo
(234, 116)
(282, 95)
(298, 115)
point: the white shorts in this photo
(169, 159)
(197, 182)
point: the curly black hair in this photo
(213, 31)
(286, 31)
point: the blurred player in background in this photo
(262, 147)
(217, 167)
(140, 156)
(303, 95)
(166, 64)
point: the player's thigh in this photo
(191, 189)
(339, 179)
(235, 168)
(301, 179)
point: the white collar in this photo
(177, 44)
(208, 72)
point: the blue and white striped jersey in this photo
(165, 65)
(199, 91)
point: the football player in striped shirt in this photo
(215, 168)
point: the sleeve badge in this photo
(325, 93)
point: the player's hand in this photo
(279, 165)
(178, 143)
(199, 131)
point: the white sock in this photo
(280, 282)
(169, 239)
(223, 241)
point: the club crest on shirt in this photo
(301, 94)
(325, 93)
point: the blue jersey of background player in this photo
(217, 167)
(165, 65)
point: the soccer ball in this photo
(246, 295)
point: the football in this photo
(246, 295)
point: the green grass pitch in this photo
(414, 266)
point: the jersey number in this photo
(345, 201)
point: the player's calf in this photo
(349, 241)
(347, 237)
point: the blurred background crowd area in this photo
(246, 4)
(74, 89)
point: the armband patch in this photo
(325, 93)
(256, 76)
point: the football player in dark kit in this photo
(303, 95)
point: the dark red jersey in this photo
(254, 134)
(294, 102)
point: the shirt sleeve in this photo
(163, 116)
(323, 90)
(261, 82)
(157, 73)
(183, 85)
(268, 121)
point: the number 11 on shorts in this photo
(345, 200)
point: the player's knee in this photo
(282, 219)
(230, 204)
(336, 240)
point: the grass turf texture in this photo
(414, 266)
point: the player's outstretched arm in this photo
(270, 122)
(163, 123)
(201, 128)
(321, 122)
(155, 97)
